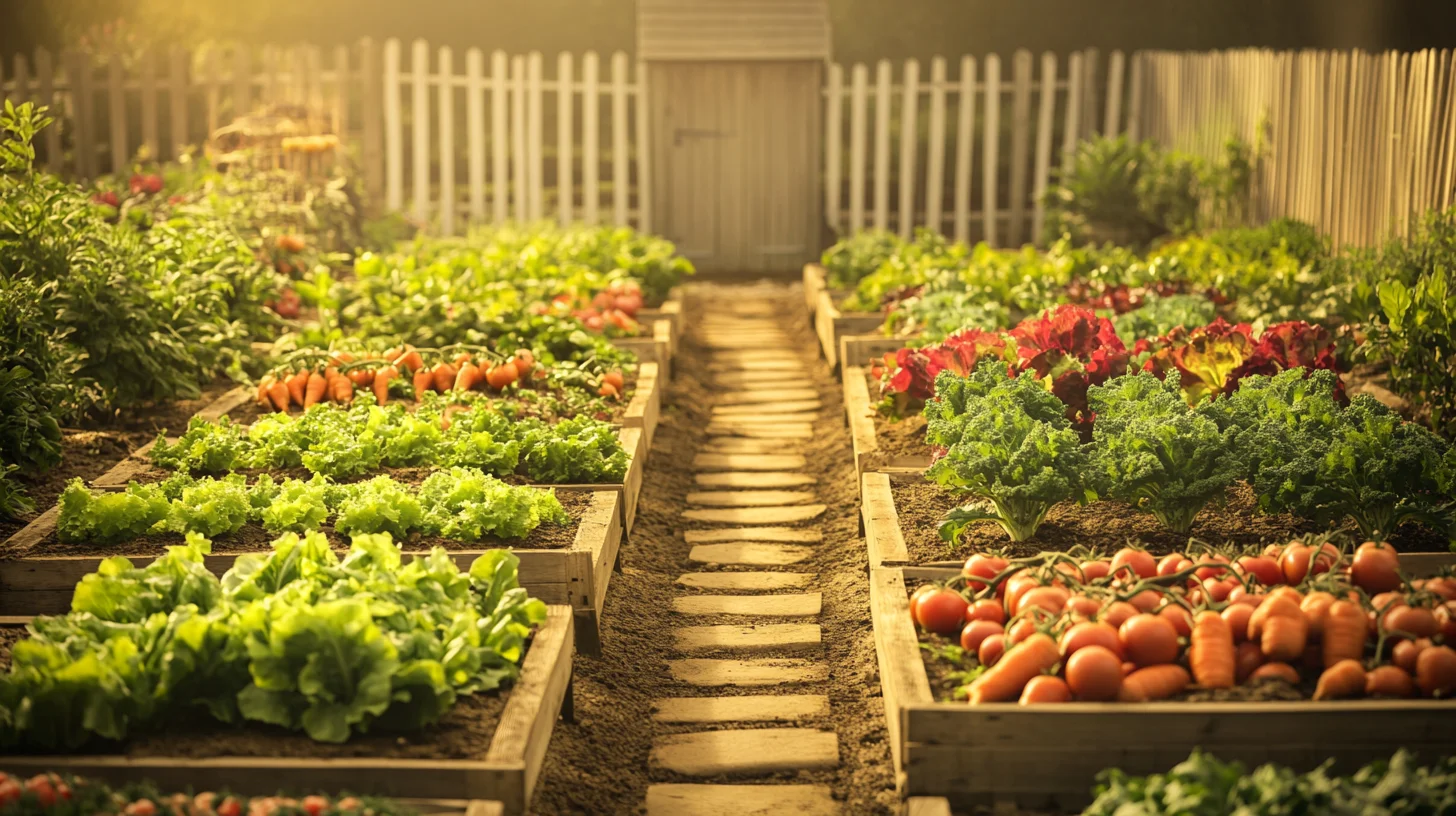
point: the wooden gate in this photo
(735, 161)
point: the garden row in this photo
(1159, 464)
(374, 557)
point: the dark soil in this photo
(90, 451)
(599, 764)
(1104, 525)
(253, 538)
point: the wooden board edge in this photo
(858, 412)
(903, 681)
(815, 280)
(634, 441)
(824, 314)
(531, 712)
(926, 806)
(884, 542)
(225, 404)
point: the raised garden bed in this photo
(902, 511)
(1048, 756)
(880, 445)
(654, 345)
(568, 565)
(831, 325)
(488, 747)
(670, 310)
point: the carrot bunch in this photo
(1135, 628)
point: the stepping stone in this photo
(775, 392)
(758, 515)
(793, 366)
(740, 800)
(752, 409)
(748, 354)
(800, 605)
(749, 341)
(731, 461)
(747, 708)
(778, 386)
(767, 638)
(766, 671)
(750, 498)
(764, 417)
(754, 479)
(745, 751)
(743, 581)
(782, 535)
(765, 432)
(738, 444)
(750, 554)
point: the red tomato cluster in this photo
(1135, 627)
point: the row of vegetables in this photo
(68, 795)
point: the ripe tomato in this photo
(1147, 600)
(1237, 616)
(1148, 640)
(1046, 688)
(1016, 586)
(1081, 635)
(1115, 613)
(1300, 560)
(1262, 568)
(1204, 573)
(1095, 674)
(1142, 563)
(987, 609)
(10, 791)
(1021, 630)
(1247, 658)
(1173, 564)
(1436, 671)
(1083, 606)
(1415, 621)
(977, 631)
(1406, 651)
(941, 611)
(1375, 568)
(982, 566)
(230, 807)
(141, 807)
(1239, 595)
(1092, 570)
(498, 377)
(42, 788)
(991, 650)
(1050, 598)
(292, 243)
(314, 805)
(1216, 590)
(916, 596)
(1181, 619)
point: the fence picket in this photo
(21, 94)
(393, 129)
(1048, 104)
(909, 140)
(46, 81)
(965, 142)
(644, 153)
(565, 103)
(1135, 99)
(475, 132)
(858, 103)
(147, 70)
(339, 111)
(520, 159)
(420, 119)
(935, 156)
(177, 83)
(1073, 112)
(447, 142)
(116, 113)
(500, 146)
(834, 128)
(372, 119)
(590, 139)
(1020, 143)
(991, 167)
(620, 181)
(535, 141)
(1112, 124)
(78, 71)
(883, 78)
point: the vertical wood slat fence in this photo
(1359, 144)
(979, 166)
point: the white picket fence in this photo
(508, 144)
(1021, 114)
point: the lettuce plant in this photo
(908, 376)
(1004, 443)
(1070, 349)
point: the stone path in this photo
(745, 612)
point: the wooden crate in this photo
(507, 773)
(671, 310)
(859, 411)
(645, 407)
(574, 576)
(863, 349)
(1048, 756)
(830, 325)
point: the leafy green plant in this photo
(1417, 338)
(296, 638)
(1152, 451)
(1007, 444)
(1160, 315)
(859, 255)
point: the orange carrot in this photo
(1155, 682)
(423, 379)
(410, 360)
(381, 383)
(1005, 680)
(1211, 651)
(1284, 638)
(342, 391)
(1389, 681)
(1344, 679)
(1248, 657)
(444, 377)
(1280, 671)
(1316, 606)
(1345, 629)
(297, 383)
(313, 392)
(278, 394)
(263, 385)
(467, 377)
(361, 377)
(462, 358)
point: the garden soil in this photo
(598, 765)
